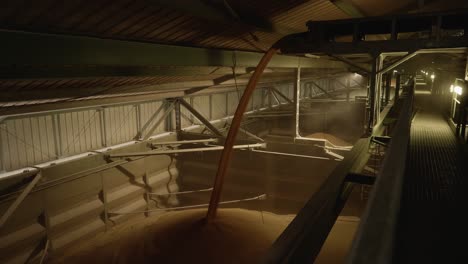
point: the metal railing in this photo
(375, 237)
(35, 138)
(302, 240)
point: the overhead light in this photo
(426, 73)
(395, 71)
(432, 76)
(458, 90)
(451, 88)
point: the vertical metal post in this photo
(168, 121)
(297, 94)
(388, 83)
(378, 93)
(56, 132)
(2, 155)
(46, 216)
(397, 87)
(211, 106)
(463, 121)
(178, 120)
(227, 103)
(104, 200)
(102, 119)
(372, 94)
(348, 89)
(270, 99)
(148, 188)
(138, 116)
(192, 118)
(263, 96)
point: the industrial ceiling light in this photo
(458, 90)
(432, 76)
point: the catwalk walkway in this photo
(432, 224)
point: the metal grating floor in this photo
(431, 225)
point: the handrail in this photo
(375, 237)
(302, 239)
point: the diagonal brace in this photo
(200, 117)
(19, 199)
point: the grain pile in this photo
(236, 236)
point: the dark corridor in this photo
(431, 223)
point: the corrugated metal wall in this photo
(31, 139)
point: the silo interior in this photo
(232, 131)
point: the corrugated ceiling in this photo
(244, 25)
(147, 21)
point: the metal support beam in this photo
(282, 95)
(12, 208)
(348, 89)
(388, 83)
(360, 178)
(372, 93)
(176, 151)
(273, 94)
(200, 117)
(178, 121)
(379, 88)
(297, 95)
(19, 61)
(397, 87)
(323, 90)
(169, 107)
(145, 126)
(375, 239)
(398, 62)
(251, 135)
(181, 142)
(290, 154)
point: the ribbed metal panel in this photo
(233, 101)
(31, 139)
(147, 21)
(218, 105)
(79, 132)
(27, 141)
(146, 112)
(257, 99)
(202, 105)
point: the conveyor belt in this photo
(431, 225)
